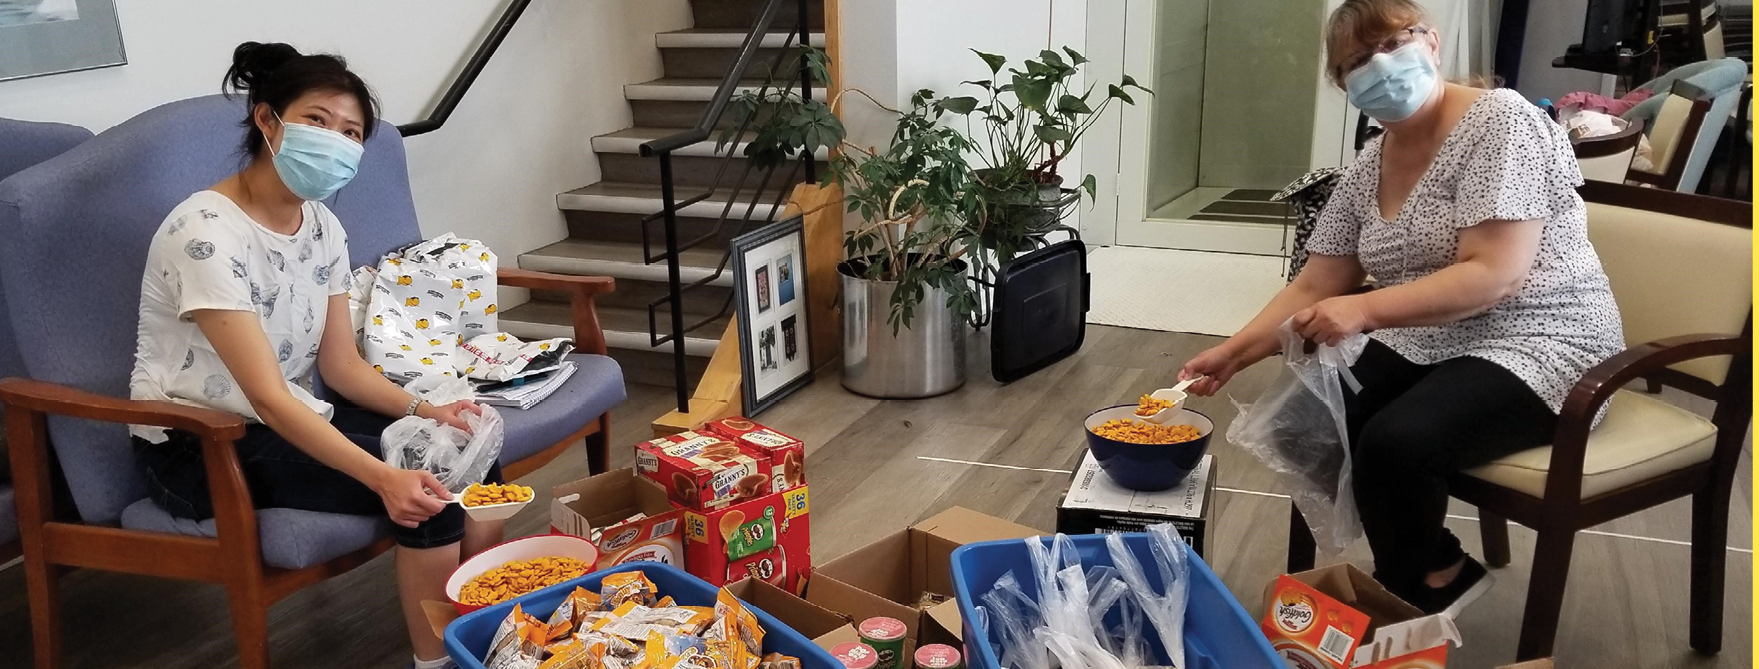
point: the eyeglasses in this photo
(1388, 45)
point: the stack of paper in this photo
(528, 391)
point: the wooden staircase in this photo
(605, 218)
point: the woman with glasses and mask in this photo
(1490, 305)
(245, 290)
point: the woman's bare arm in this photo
(1493, 260)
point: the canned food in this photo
(938, 656)
(886, 636)
(856, 655)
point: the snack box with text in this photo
(626, 516)
(702, 471)
(1338, 617)
(767, 538)
(786, 455)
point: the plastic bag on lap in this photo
(1297, 429)
(456, 458)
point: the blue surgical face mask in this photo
(315, 162)
(1391, 86)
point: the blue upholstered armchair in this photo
(23, 144)
(79, 226)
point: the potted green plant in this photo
(782, 124)
(906, 298)
(1031, 119)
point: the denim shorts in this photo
(280, 476)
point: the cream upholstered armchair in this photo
(1681, 270)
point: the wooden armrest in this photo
(525, 278)
(588, 336)
(27, 402)
(1597, 387)
(61, 400)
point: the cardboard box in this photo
(604, 502)
(786, 455)
(702, 471)
(889, 576)
(1097, 504)
(1533, 664)
(1397, 634)
(769, 538)
(826, 629)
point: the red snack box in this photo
(1308, 628)
(786, 455)
(767, 538)
(702, 471)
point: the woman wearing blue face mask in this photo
(246, 288)
(1491, 305)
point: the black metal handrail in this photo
(467, 76)
(664, 147)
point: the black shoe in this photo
(1471, 583)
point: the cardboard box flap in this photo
(805, 617)
(604, 500)
(838, 637)
(965, 526)
(882, 568)
(858, 604)
(946, 614)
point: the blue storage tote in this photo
(1218, 633)
(468, 637)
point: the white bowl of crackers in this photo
(487, 502)
(519, 567)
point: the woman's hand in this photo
(411, 496)
(1217, 365)
(1333, 320)
(450, 414)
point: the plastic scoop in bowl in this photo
(1176, 395)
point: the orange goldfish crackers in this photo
(1136, 432)
(519, 577)
(485, 494)
(1150, 405)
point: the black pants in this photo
(282, 476)
(1414, 425)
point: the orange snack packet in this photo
(518, 643)
(736, 623)
(629, 586)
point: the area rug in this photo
(1180, 291)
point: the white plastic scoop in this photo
(1176, 395)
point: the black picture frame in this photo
(754, 318)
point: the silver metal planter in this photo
(923, 360)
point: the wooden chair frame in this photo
(1669, 177)
(1563, 511)
(53, 545)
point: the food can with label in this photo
(938, 656)
(856, 655)
(886, 636)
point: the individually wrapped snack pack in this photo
(734, 622)
(624, 587)
(455, 457)
(779, 661)
(518, 643)
(566, 618)
(635, 622)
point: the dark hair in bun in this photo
(276, 74)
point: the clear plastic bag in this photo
(1297, 428)
(1165, 610)
(453, 456)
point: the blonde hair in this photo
(1362, 24)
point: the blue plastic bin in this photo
(1218, 633)
(468, 637)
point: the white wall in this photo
(519, 137)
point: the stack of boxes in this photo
(742, 489)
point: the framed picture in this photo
(39, 37)
(770, 300)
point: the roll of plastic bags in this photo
(455, 457)
(1297, 428)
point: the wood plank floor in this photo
(1626, 605)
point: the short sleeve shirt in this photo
(208, 254)
(1506, 160)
